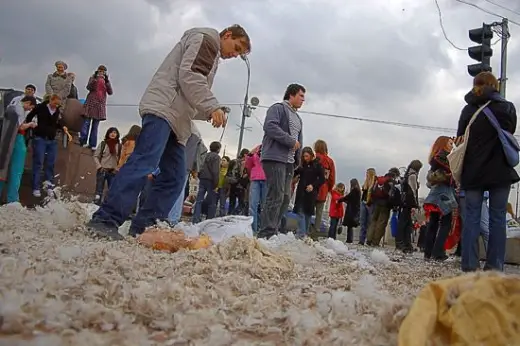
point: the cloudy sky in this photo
(374, 59)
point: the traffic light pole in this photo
(503, 57)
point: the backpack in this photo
(382, 188)
(103, 145)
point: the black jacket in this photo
(485, 164)
(48, 123)
(353, 200)
(210, 168)
(310, 174)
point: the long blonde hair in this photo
(370, 178)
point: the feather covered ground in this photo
(58, 286)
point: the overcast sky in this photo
(374, 59)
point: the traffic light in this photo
(482, 53)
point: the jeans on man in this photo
(365, 213)
(496, 250)
(257, 195)
(278, 180)
(92, 139)
(44, 150)
(174, 216)
(102, 176)
(378, 223)
(320, 205)
(156, 146)
(16, 168)
(206, 192)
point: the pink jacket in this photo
(254, 168)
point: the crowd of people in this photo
(150, 169)
(28, 121)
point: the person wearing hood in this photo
(382, 193)
(106, 157)
(322, 155)
(179, 92)
(281, 154)
(13, 148)
(60, 82)
(99, 88)
(73, 89)
(409, 201)
(486, 168)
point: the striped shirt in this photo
(295, 127)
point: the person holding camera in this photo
(99, 88)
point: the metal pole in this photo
(517, 192)
(245, 108)
(503, 58)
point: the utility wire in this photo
(441, 22)
(337, 116)
(503, 7)
(487, 11)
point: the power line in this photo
(486, 11)
(503, 7)
(441, 22)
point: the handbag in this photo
(456, 157)
(509, 142)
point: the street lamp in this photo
(247, 109)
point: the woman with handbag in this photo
(488, 154)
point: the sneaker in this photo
(37, 193)
(104, 230)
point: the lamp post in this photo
(246, 110)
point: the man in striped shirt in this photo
(281, 152)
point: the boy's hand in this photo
(150, 176)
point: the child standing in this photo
(106, 158)
(208, 183)
(336, 210)
(311, 178)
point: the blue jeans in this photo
(41, 147)
(484, 220)
(102, 176)
(333, 228)
(16, 168)
(496, 250)
(364, 219)
(257, 195)
(206, 192)
(304, 224)
(92, 139)
(145, 192)
(222, 197)
(157, 146)
(174, 216)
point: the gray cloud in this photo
(371, 59)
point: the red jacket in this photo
(336, 209)
(330, 176)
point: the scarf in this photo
(101, 88)
(112, 144)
